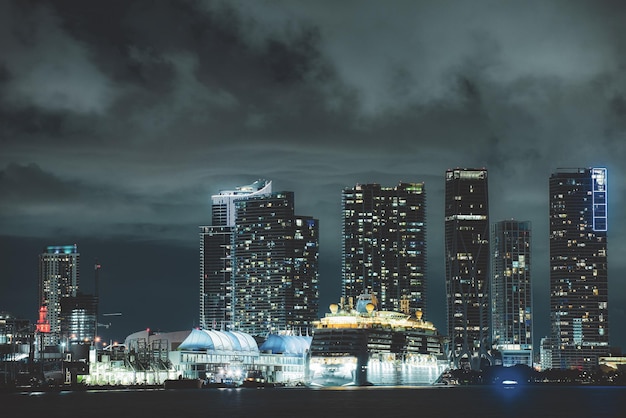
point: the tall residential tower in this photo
(511, 292)
(216, 305)
(58, 279)
(275, 266)
(258, 263)
(384, 245)
(578, 267)
(467, 266)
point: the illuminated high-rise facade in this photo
(275, 266)
(216, 305)
(578, 267)
(223, 204)
(467, 255)
(215, 277)
(58, 279)
(78, 318)
(384, 245)
(511, 292)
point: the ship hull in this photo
(394, 373)
(333, 371)
(328, 372)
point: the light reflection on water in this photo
(492, 401)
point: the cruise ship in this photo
(364, 346)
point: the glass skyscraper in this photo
(578, 267)
(467, 255)
(58, 279)
(258, 263)
(384, 245)
(79, 318)
(275, 266)
(512, 292)
(216, 304)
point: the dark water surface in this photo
(370, 402)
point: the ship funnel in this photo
(418, 315)
(370, 308)
(364, 300)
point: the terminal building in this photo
(216, 357)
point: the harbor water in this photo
(479, 401)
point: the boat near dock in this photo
(364, 346)
(183, 383)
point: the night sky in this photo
(119, 120)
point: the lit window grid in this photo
(384, 248)
(578, 272)
(467, 261)
(275, 266)
(511, 284)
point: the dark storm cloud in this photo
(121, 118)
(25, 185)
(157, 70)
(31, 198)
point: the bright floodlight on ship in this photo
(315, 367)
(348, 368)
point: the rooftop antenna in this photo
(97, 268)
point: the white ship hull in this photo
(330, 371)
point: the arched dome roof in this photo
(200, 340)
(242, 341)
(291, 345)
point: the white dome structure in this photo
(219, 341)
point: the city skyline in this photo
(119, 121)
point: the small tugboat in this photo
(255, 379)
(447, 380)
(181, 383)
